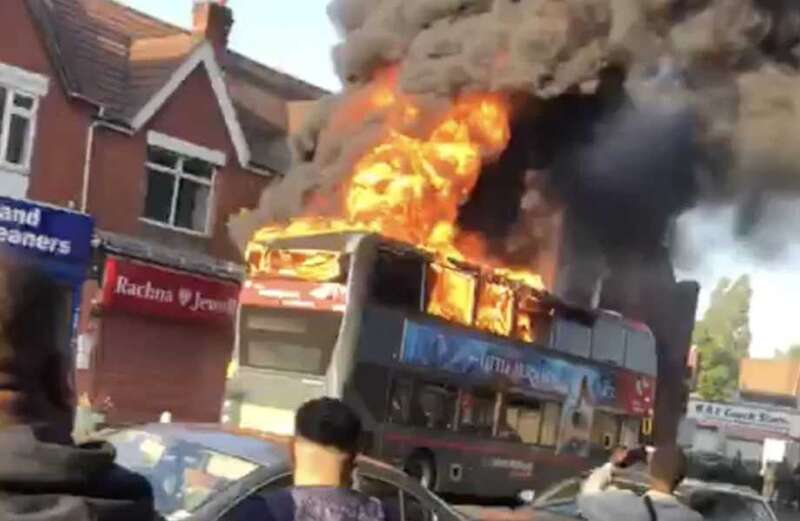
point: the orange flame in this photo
(495, 309)
(409, 188)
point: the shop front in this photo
(161, 340)
(741, 430)
(55, 241)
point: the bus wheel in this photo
(420, 466)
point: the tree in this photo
(723, 338)
(793, 353)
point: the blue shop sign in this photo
(58, 241)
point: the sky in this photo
(771, 258)
(296, 37)
(293, 36)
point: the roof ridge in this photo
(280, 72)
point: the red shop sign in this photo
(142, 289)
(636, 393)
(279, 293)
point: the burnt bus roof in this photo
(342, 242)
(347, 242)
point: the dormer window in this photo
(180, 181)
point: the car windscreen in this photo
(183, 475)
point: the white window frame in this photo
(16, 81)
(184, 150)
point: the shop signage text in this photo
(741, 416)
(138, 288)
(59, 239)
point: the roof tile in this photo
(119, 57)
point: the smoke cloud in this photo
(631, 111)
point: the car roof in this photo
(266, 450)
(262, 448)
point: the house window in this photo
(20, 91)
(179, 190)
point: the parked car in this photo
(203, 472)
(716, 501)
(713, 467)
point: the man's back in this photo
(313, 504)
(334, 504)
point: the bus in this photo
(476, 384)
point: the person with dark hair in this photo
(600, 501)
(323, 451)
(43, 475)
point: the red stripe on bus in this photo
(430, 443)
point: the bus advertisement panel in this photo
(436, 348)
(582, 386)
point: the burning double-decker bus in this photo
(473, 379)
(464, 370)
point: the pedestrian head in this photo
(326, 442)
(668, 467)
(34, 377)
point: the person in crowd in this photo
(769, 473)
(784, 483)
(738, 462)
(323, 452)
(43, 474)
(600, 501)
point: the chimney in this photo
(212, 21)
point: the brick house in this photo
(160, 134)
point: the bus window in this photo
(320, 266)
(640, 351)
(400, 402)
(451, 294)
(523, 421)
(605, 430)
(434, 407)
(477, 413)
(284, 356)
(495, 309)
(524, 327)
(299, 341)
(397, 280)
(550, 422)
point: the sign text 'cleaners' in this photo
(29, 218)
(57, 240)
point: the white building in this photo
(743, 428)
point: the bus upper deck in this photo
(335, 272)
